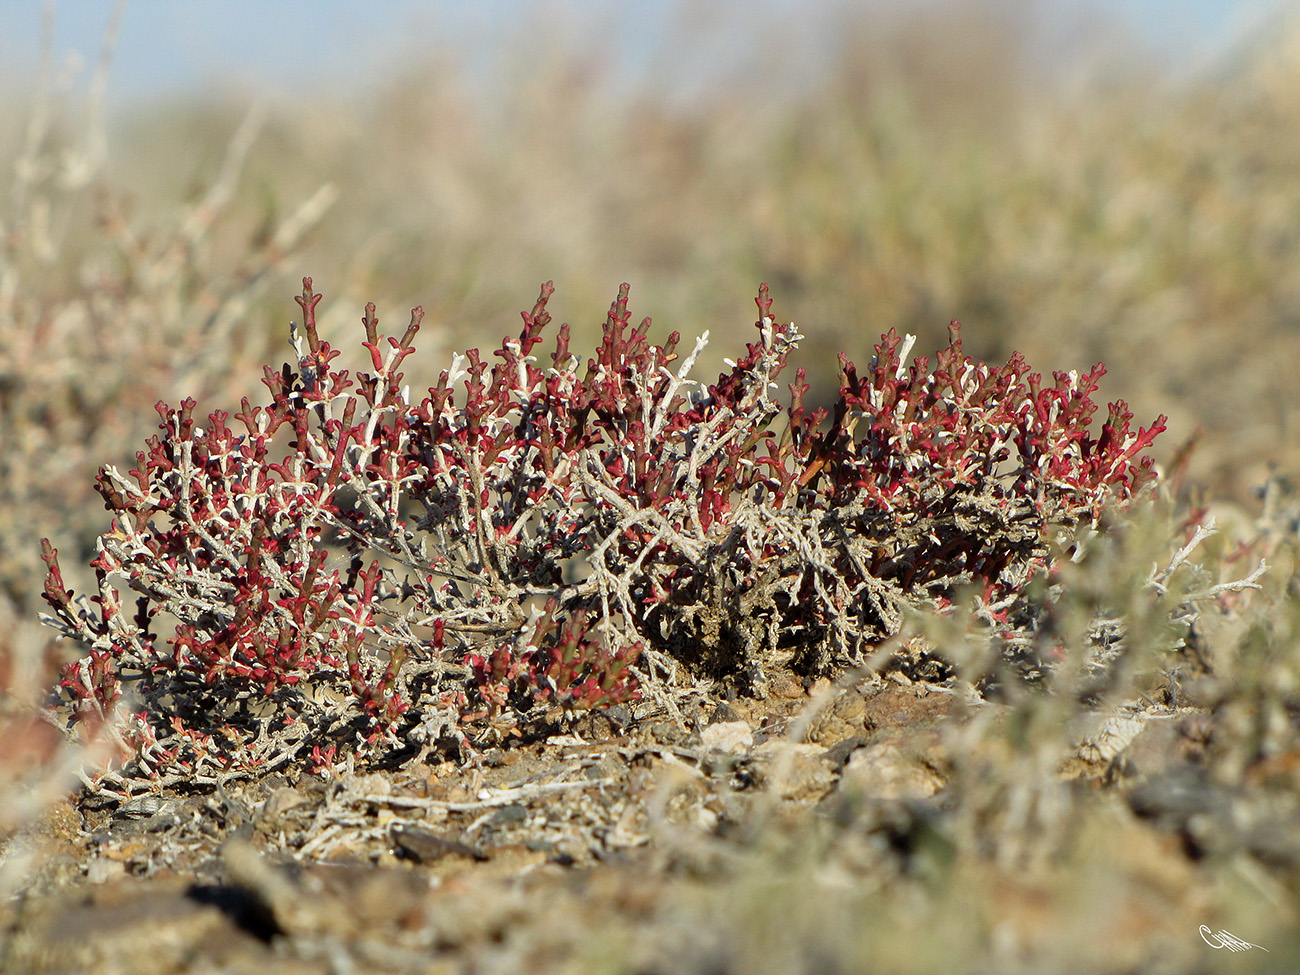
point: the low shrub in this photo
(346, 568)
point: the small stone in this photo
(839, 753)
(513, 813)
(885, 771)
(425, 846)
(727, 736)
(723, 714)
(281, 801)
(794, 771)
(101, 870)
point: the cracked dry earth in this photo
(628, 845)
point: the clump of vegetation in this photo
(533, 539)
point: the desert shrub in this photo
(348, 565)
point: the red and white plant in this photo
(539, 535)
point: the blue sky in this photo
(171, 46)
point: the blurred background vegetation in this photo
(890, 166)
